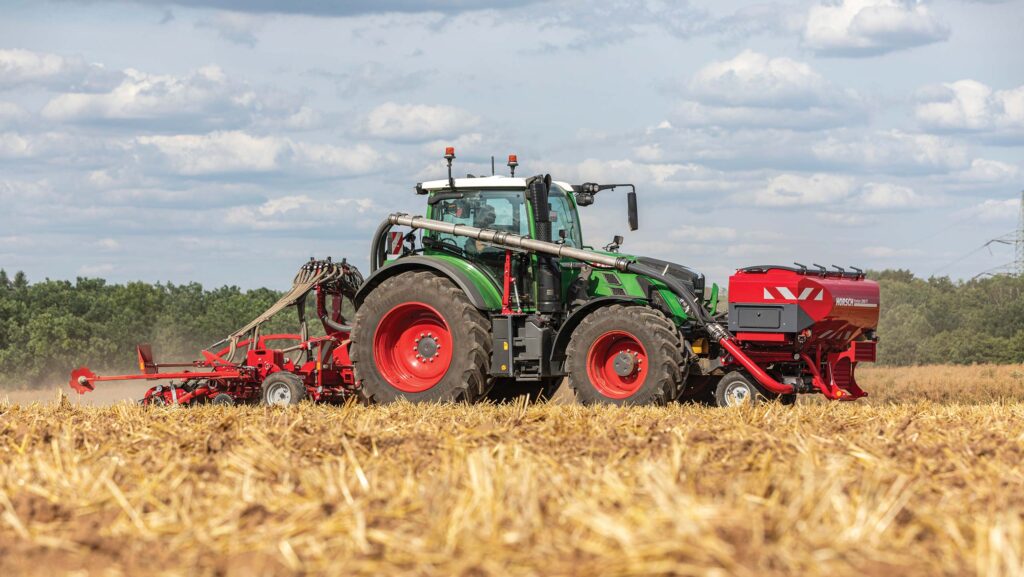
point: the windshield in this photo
(563, 218)
(496, 209)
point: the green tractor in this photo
(496, 291)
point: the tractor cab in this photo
(505, 203)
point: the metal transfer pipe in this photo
(714, 329)
(502, 238)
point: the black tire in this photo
(222, 399)
(647, 326)
(466, 377)
(283, 389)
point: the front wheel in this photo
(625, 355)
(418, 337)
(738, 388)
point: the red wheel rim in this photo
(412, 347)
(617, 364)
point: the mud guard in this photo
(405, 264)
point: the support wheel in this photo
(223, 400)
(283, 389)
(418, 337)
(738, 388)
(625, 355)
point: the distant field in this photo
(926, 479)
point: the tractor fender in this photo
(460, 277)
(565, 331)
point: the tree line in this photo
(49, 327)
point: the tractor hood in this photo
(689, 277)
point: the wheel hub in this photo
(625, 363)
(279, 395)
(617, 364)
(736, 394)
(426, 347)
(413, 347)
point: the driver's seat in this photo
(484, 218)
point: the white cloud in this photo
(664, 176)
(893, 150)
(791, 190)
(754, 79)
(869, 27)
(218, 152)
(752, 89)
(882, 195)
(984, 170)
(108, 244)
(969, 105)
(205, 95)
(293, 212)
(418, 122)
(19, 67)
(996, 210)
(236, 151)
(14, 145)
(844, 219)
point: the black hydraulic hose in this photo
(377, 245)
(695, 310)
(335, 326)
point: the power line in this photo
(1003, 239)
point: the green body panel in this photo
(488, 286)
(610, 282)
(481, 279)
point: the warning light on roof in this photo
(513, 162)
(449, 153)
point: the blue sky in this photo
(226, 142)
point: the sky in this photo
(227, 142)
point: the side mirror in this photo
(634, 220)
(614, 245)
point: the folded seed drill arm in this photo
(238, 368)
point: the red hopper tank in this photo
(825, 320)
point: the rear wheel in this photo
(283, 389)
(625, 355)
(418, 337)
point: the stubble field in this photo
(924, 479)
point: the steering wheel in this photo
(450, 240)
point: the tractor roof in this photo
(496, 181)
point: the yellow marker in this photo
(699, 346)
(504, 368)
(505, 344)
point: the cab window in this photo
(564, 227)
(493, 209)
